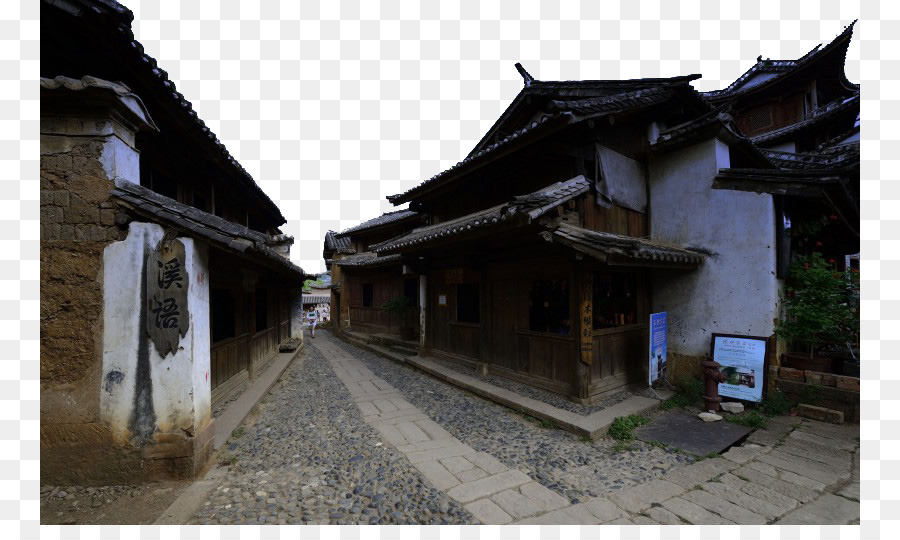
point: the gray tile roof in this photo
(338, 244)
(564, 113)
(368, 258)
(618, 249)
(383, 219)
(836, 157)
(572, 90)
(779, 67)
(713, 124)
(530, 206)
(201, 225)
(316, 299)
(110, 12)
(593, 105)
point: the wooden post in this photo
(585, 333)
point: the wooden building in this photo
(362, 283)
(165, 280)
(590, 204)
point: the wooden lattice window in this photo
(759, 120)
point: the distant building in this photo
(165, 280)
(317, 296)
(590, 204)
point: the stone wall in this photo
(78, 221)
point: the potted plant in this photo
(401, 306)
(818, 311)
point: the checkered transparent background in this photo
(334, 105)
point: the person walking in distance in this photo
(313, 318)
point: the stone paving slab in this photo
(438, 453)
(743, 454)
(735, 496)
(457, 464)
(781, 501)
(471, 475)
(487, 462)
(516, 504)
(821, 442)
(640, 497)
(396, 417)
(700, 472)
(850, 491)
(770, 436)
(545, 498)
(840, 459)
(484, 487)
(604, 509)
(722, 507)
(769, 477)
(488, 512)
(826, 510)
(805, 467)
(692, 513)
(433, 429)
(412, 432)
(662, 516)
(428, 445)
(570, 515)
(439, 476)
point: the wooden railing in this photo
(228, 358)
(284, 331)
(263, 343)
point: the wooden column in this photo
(585, 334)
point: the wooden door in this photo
(503, 321)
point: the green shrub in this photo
(689, 391)
(622, 428)
(775, 405)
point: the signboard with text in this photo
(743, 360)
(166, 288)
(659, 325)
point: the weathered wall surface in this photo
(735, 290)
(81, 160)
(77, 223)
(157, 404)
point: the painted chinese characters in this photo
(167, 285)
(587, 318)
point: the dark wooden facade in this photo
(250, 316)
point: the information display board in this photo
(659, 326)
(744, 361)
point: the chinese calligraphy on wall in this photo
(167, 286)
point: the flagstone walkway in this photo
(794, 472)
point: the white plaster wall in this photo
(181, 386)
(735, 290)
(180, 382)
(122, 263)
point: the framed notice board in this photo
(745, 362)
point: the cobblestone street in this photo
(348, 437)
